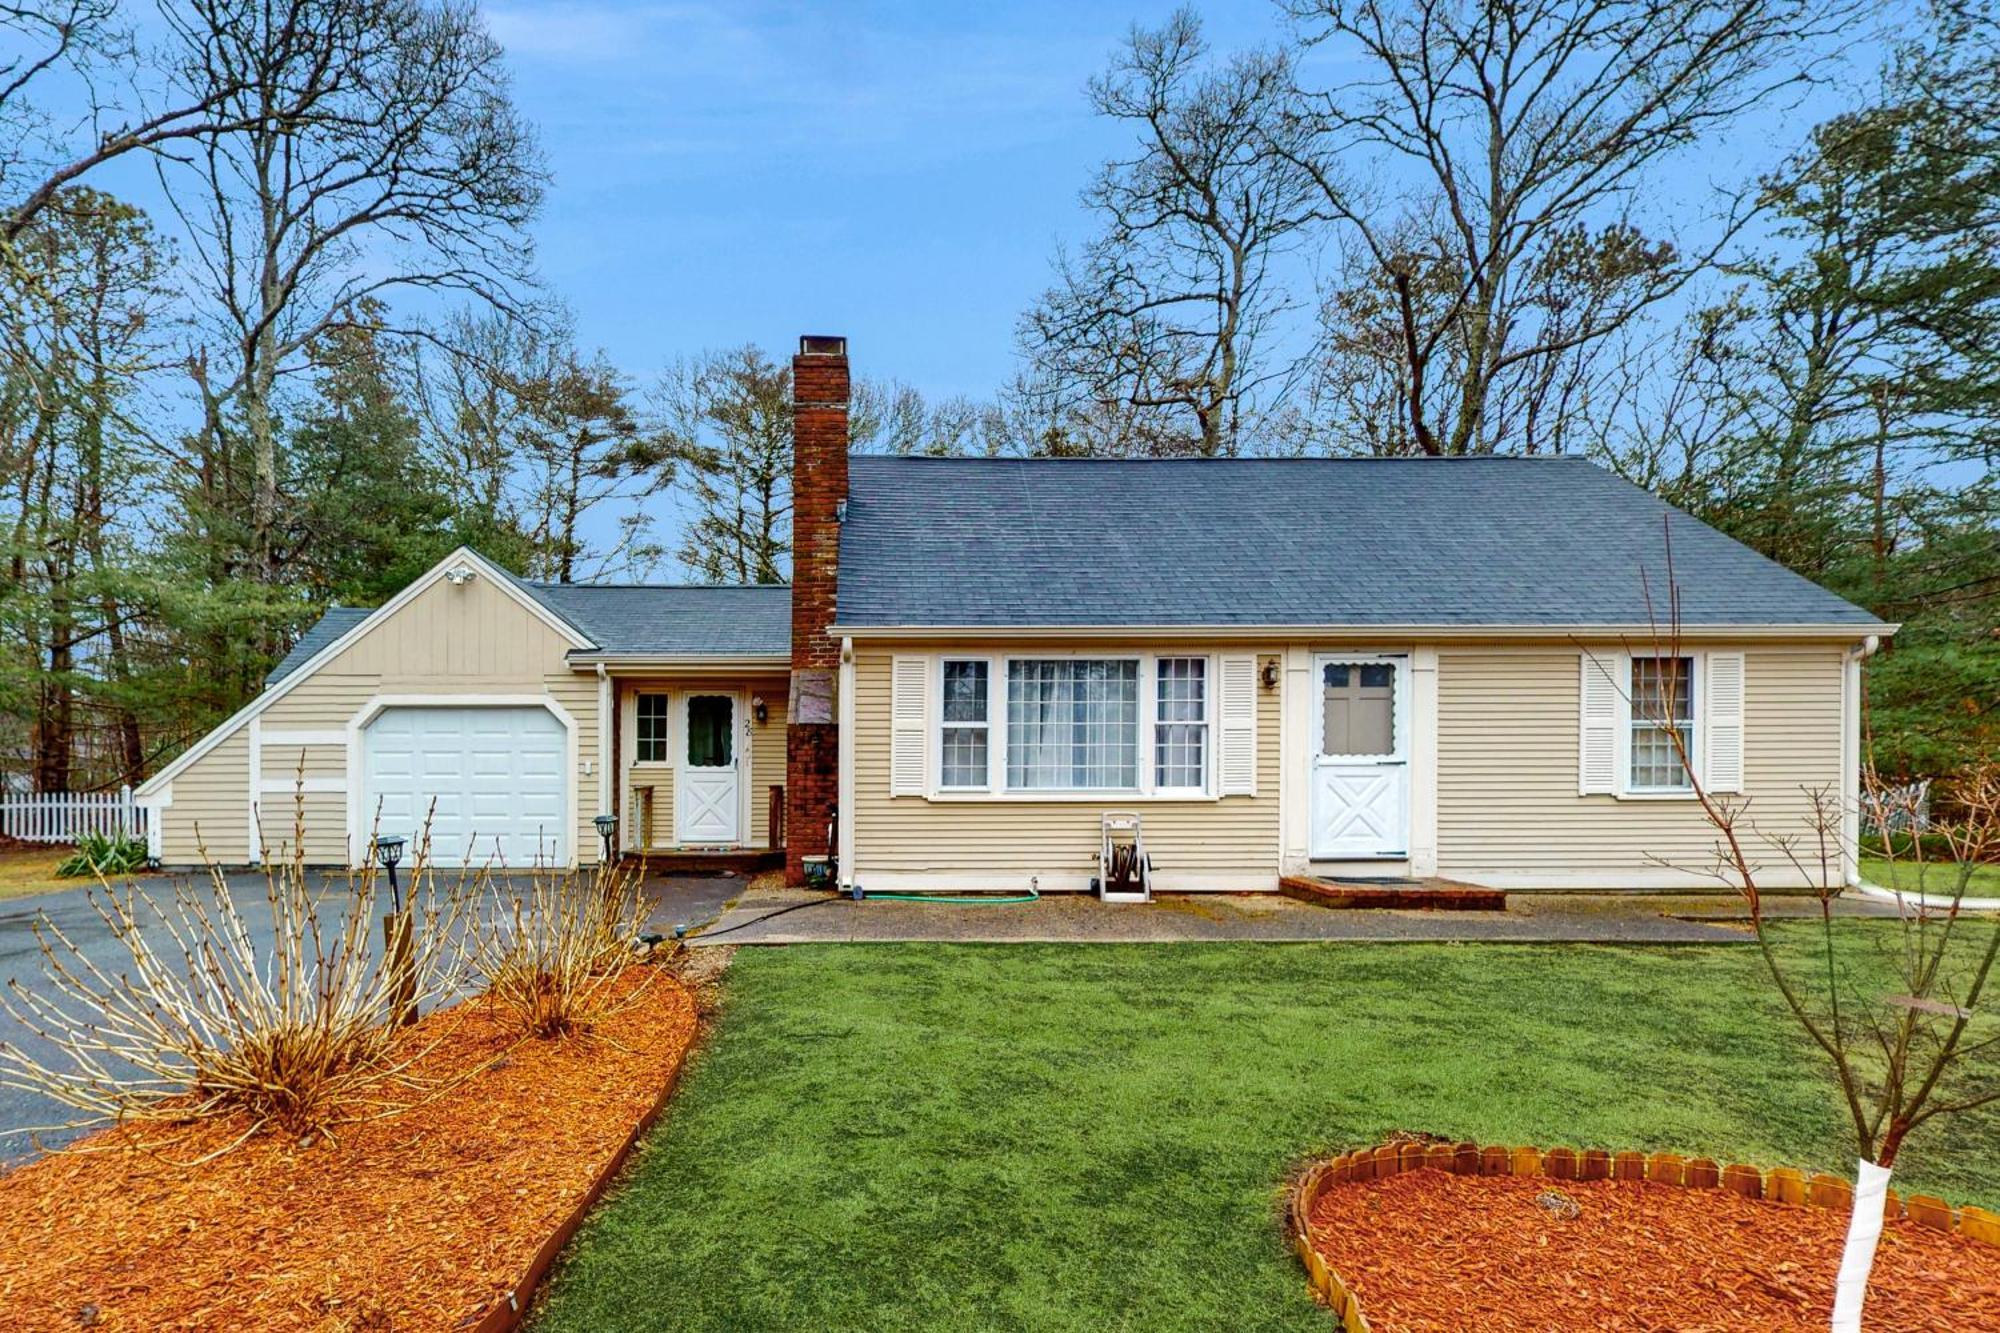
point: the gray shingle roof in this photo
(689, 619)
(1448, 542)
(336, 622)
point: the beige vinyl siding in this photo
(1235, 836)
(1507, 766)
(211, 808)
(469, 640)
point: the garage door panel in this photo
(497, 777)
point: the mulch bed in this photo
(1432, 1252)
(419, 1221)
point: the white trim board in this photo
(305, 669)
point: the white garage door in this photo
(497, 774)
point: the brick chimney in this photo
(819, 489)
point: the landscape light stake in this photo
(397, 956)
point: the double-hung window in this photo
(1180, 724)
(1662, 695)
(965, 731)
(652, 728)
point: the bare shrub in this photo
(197, 1020)
(555, 944)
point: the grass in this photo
(1938, 878)
(30, 870)
(1097, 1136)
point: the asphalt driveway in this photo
(683, 900)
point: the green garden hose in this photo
(982, 900)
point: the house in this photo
(1385, 667)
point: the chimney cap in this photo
(822, 344)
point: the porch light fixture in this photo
(1270, 675)
(388, 853)
(607, 829)
(759, 710)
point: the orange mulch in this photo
(418, 1221)
(1432, 1252)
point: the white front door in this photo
(708, 776)
(1360, 767)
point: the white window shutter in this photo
(1237, 708)
(1597, 759)
(1724, 706)
(909, 736)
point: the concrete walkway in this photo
(796, 916)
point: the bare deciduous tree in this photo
(1490, 161)
(370, 146)
(1149, 341)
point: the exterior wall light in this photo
(759, 710)
(1270, 675)
(460, 574)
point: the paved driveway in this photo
(677, 900)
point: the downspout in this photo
(605, 721)
(844, 779)
(1850, 750)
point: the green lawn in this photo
(1937, 878)
(1096, 1136)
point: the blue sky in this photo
(746, 172)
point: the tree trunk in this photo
(1857, 1257)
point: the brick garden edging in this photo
(1779, 1184)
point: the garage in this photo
(499, 776)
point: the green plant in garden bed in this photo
(1097, 1136)
(104, 854)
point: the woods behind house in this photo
(321, 355)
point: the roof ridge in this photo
(658, 587)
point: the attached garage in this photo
(494, 780)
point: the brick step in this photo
(749, 861)
(1442, 895)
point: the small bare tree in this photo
(1902, 1060)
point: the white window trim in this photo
(996, 788)
(1697, 678)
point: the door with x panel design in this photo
(1360, 781)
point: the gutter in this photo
(1854, 633)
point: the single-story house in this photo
(1383, 667)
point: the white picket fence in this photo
(65, 816)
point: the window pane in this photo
(1073, 724)
(652, 726)
(1358, 709)
(964, 760)
(1662, 687)
(711, 731)
(965, 691)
